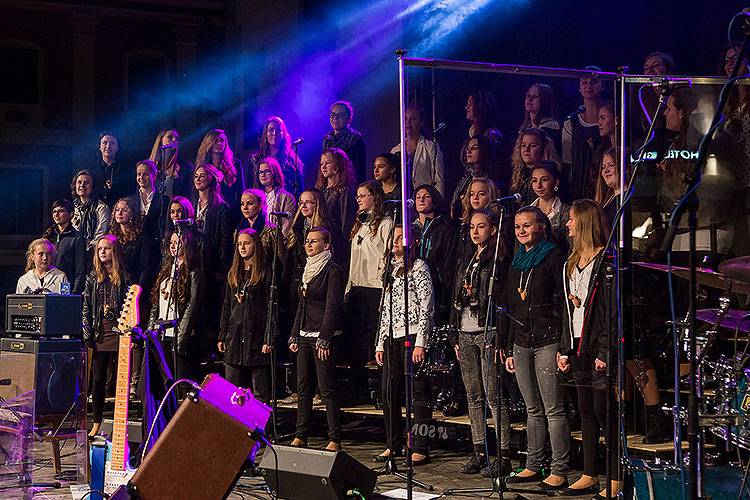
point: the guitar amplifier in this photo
(202, 449)
(56, 369)
(48, 315)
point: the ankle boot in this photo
(657, 429)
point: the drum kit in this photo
(723, 411)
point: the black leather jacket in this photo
(188, 314)
(91, 316)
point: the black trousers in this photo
(99, 363)
(422, 398)
(309, 364)
(592, 406)
(254, 377)
(188, 364)
(362, 322)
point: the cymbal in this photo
(657, 267)
(737, 268)
(705, 276)
(714, 280)
(731, 319)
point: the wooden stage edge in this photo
(635, 441)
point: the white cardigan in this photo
(427, 166)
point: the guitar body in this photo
(116, 469)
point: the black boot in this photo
(657, 427)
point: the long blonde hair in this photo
(225, 163)
(30, 252)
(257, 261)
(154, 156)
(467, 210)
(591, 224)
(319, 217)
(116, 276)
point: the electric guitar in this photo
(116, 469)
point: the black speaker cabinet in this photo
(324, 475)
(54, 368)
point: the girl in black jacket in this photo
(71, 247)
(474, 350)
(532, 298)
(586, 340)
(103, 295)
(243, 335)
(436, 245)
(180, 282)
(315, 335)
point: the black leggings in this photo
(99, 363)
(592, 405)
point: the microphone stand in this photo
(689, 202)
(173, 298)
(272, 316)
(394, 399)
(498, 486)
(296, 180)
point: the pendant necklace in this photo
(522, 289)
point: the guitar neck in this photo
(120, 424)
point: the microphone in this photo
(283, 215)
(171, 145)
(670, 84)
(299, 141)
(187, 222)
(578, 111)
(398, 202)
(513, 197)
(4, 381)
(438, 129)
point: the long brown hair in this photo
(548, 153)
(155, 156)
(602, 193)
(276, 173)
(257, 261)
(344, 176)
(547, 107)
(408, 265)
(214, 189)
(377, 209)
(225, 163)
(319, 217)
(591, 232)
(128, 233)
(189, 262)
(117, 274)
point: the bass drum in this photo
(439, 357)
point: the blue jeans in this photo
(536, 372)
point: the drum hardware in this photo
(737, 268)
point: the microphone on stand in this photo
(187, 222)
(283, 215)
(438, 129)
(580, 109)
(171, 145)
(398, 202)
(299, 141)
(513, 197)
(670, 84)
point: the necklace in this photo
(578, 275)
(522, 290)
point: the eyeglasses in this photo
(732, 58)
(340, 116)
(59, 211)
(264, 172)
(361, 196)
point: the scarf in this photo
(524, 261)
(88, 216)
(314, 266)
(343, 140)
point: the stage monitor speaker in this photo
(324, 475)
(56, 369)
